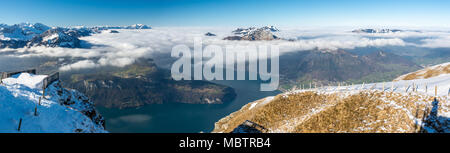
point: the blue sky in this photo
(228, 12)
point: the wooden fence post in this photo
(383, 86)
(1, 78)
(435, 91)
(392, 86)
(426, 87)
(20, 124)
(43, 93)
(35, 110)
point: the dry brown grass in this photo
(275, 113)
(310, 112)
(365, 112)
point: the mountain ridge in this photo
(37, 34)
(405, 106)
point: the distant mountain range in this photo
(382, 30)
(376, 30)
(330, 67)
(37, 34)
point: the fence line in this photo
(50, 79)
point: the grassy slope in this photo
(308, 111)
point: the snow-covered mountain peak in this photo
(22, 31)
(138, 26)
(246, 31)
(271, 28)
(37, 34)
(376, 31)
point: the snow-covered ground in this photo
(422, 86)
(62, 111)
(436, 86)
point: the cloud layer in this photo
(123, 48)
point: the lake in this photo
(181, 118)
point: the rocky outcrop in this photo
(249, 127)
(78, 101)
(144, 83)
(253, 34)
(210, 34)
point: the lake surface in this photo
(181, 118)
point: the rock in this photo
(249, 127)
(233, 38)
(210, 34)
(260, 34)
(253, 34)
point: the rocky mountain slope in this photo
(330, 67)
(61, 111)
(405, 106)
(144, 83)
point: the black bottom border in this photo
(172, 142)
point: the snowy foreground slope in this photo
(400, 106)
(62, 110)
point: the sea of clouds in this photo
(123, 48)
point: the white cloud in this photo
(440, 42)
(123, 48)
(79, 65)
